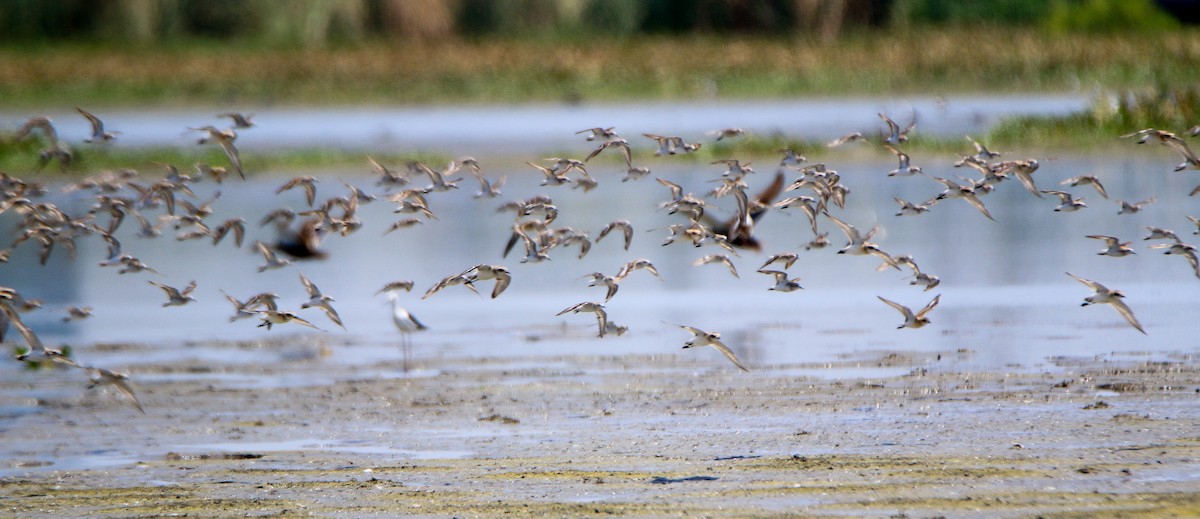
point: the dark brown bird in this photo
(742, 234)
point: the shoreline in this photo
(593, 435)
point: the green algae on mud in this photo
(871, 485)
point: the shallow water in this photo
(490, 129)
(1006, 302)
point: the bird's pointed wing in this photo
(1027, 181)
(128, 391)
(571, 308)
(97, 125)
(937, 299)
(728, 353)
(602, 321)
(234, 158)
(312, 289)
(333, 315)
(266, 253)
(693, 330)
(851, 232)
(502, 282)
(899, 307)
(978, 204)
(301, 321)
(1125, 312)
(31, 338)
(1091, 284)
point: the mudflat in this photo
(286, 429)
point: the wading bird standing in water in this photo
(406, 323)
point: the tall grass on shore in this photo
(653, 67)
(1174, 108)
(1169, 108)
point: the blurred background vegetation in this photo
(1136, 58)
(311, 23)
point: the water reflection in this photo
(1005, 295)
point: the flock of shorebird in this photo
(155, 203)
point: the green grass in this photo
(931, 61)
(21, 159)
(892, 62)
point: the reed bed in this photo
(656, 67)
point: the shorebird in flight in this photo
(1105, 295)
(701, 338)
(1066, 202)
(982, 154)
(905, 167)
(1158, 233)
(1186, 250)
(895, 134)
(1131, 208)
(484, 272)
(726, 133)
(909, 208)
(224, 139)
(1113, 246)
(596, 308)
(965, 192)
(611, 283)
(76, 313)
(788, 259)
(272, 261)
(599, 133)
(637, 264)
(1086, 180)
(791, 158)
(319, 300)
(1171, 141)
(849, 137)
(306, 182)
(175, 296)
(625, 227)
(104, 377)
(913, 320)
(98, 133)
(272, 315)
(620, 145)
(717, 258)
(240, 121)
(782, 283)
(249, 308)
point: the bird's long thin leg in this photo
(406, 346)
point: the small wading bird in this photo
(912, 320)
(596, 308)
(895, 134)
(175, 296)
(1105, 295)
(1066, 202)
(702, 338)
(319, 300)
(1113, 246)
(717, 258)
(406, 323)
(104, 377)
(272, 315)
(98, 133)
(782, 283)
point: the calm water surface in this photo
(491, 129)
(1005, 296)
